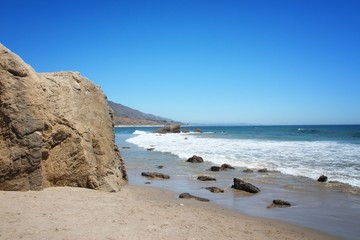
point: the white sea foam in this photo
(339, 161)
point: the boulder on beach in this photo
(215, 189)
(174, 128)
(244, 186)
(155, 175)
(206, 178)
(279, 203)
(189, 196)
(56, 129)
(226, 166)
(322, 178)
(214, 168)
(195, 159)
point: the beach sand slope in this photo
(133, 213)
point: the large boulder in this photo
(244, 186)
(174, 128)
(56, 129)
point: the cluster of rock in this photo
(175, 128)
(56, 130)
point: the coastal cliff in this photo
(56, 129)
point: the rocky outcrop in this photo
(175, 128)
(244, 186)
(56, 130)
(189, 196)
(195, 159)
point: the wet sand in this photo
(327, 207)
(133, 213)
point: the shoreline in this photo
(331, 208)
(133, 213)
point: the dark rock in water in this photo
(244, 186)
(279, 203)
(147, 182)
(195, 159)
(175, 128)
(248, 170)
(155, 175)
(185, 131)
(125, 147)
(322, 178)
(263, 170)
(198, 130)
(215, 189)
(226, 166)
(206, 178)
(188, 196)
(214, 168)
(160, 167)
(150, 149)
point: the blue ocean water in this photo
(306, 151)
(298, 154)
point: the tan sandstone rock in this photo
(56, 129)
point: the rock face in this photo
(56, 129)
(245, 186)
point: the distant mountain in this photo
(124, 115)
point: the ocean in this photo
(295, 156)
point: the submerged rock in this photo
(215, 189)
(244, 186)
(248, 170)
(155, 175)
(189, 196)
(279, 203)
(56, 129)
(263, 170)
(195, 159)
(206, 178)
(322, 178)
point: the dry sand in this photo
(133, 213)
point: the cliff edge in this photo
(56, 129)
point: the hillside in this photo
(124, 115)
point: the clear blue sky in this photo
(260, 62)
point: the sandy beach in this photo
(133, 213)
